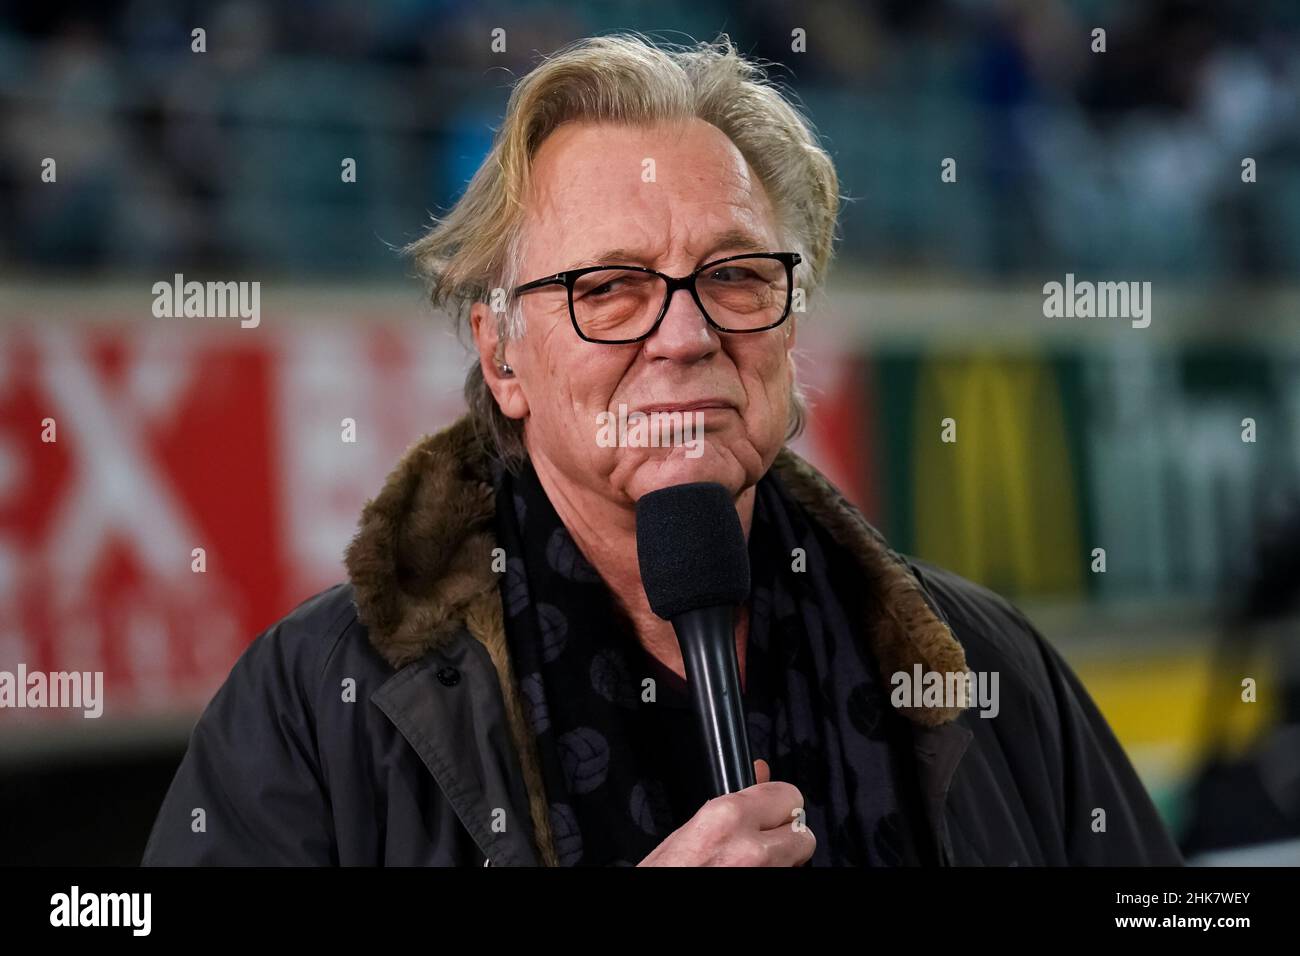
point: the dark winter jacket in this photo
(379, 723)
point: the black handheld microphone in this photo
(695, 570)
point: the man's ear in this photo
(505, 388)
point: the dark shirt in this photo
(666, 738)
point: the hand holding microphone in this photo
(695, 570)
(753, 827)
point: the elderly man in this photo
(490, 687)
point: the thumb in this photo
(762, 772)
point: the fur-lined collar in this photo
(421, 562)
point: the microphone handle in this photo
(708, 640)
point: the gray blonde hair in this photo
(622, 78)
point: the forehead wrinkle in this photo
(729, 182)
(735, 238)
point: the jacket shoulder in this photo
(995, 634)
(1058, 735)
(253, 760)
(323, 633)
(314, 628)
(324, 624)
(983, 615)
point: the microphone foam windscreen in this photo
(691, 548)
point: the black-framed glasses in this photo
(619, 305)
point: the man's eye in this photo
(733, 274)
(608, 287)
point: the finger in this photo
(770, 804)
(787, 846)
(762, 772)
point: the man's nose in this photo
(684, 334)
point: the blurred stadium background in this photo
(1073, 434)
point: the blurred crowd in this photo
(1066, 158)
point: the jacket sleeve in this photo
(249, 790)
(1099, 776)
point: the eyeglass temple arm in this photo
(557, 279)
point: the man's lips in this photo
(697, 406)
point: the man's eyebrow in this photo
(610, 257)
(737, 240)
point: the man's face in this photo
(590, 196)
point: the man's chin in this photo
(663, 468)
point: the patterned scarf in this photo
(621, 756)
